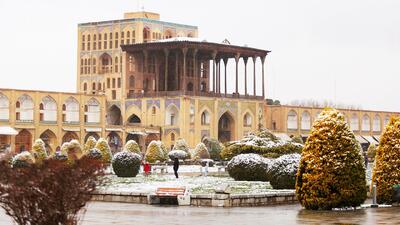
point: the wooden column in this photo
(184, 51)
(166, 53)
(157, 81)
(263, 79)
(219, 76)
(225, 64)
(254, 78)
(237, 57)
(245, 59)
(195, 73)
(177, 70)
(214, 54)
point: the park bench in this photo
(174, 195)
(163, 169)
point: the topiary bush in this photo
(214, 148)
(201, 152)
(126, 164)
(371, 153)
(94, 153)
(132, 146)
(178, 154)
(386, 172)
(282, 171)
(263, 143)
(74, 150)
(331, 172)
(156, 151)
(297, 139)
(248, 167)
(23, 159)
(39, 151)
(104, 148)
(90, 144)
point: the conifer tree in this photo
(132, 146)
(90, 143)
(104, 148)
(386, 172)
(39, 151)
(331, 172)
(156, 152)
(201, 152)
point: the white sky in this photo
(314, 43)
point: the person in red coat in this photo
(146, 168)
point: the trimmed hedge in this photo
(180, 154)
(39, 151)
(133, 147)
(201, 152)
(90, 144)
(156, 151)
(126, 164)
(283, 170)
(386, 173)
(331, 172)
(23, 159)
(248, 167)
(104, 148)
(214, 148)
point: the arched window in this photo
(116, 64)
(205, 118)
(134, 119)
(92, 111)
(172, 137)
(105, 61)
(168, 34)
(172, 115)
(99, 86)
(366, 123)
(153, 110)
(146, 34)
(203, 87)
(84, 86)
(247, 120)
(354, 123)
(93, 86)
(292, 120)
(49, 110)
(71, 110)
(4, 108)
(377, 124)
(305, 121)
(387, 120)
(25, 111)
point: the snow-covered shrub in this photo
(248, 167)
(371, 152)
(181, 144)
(263, 143)
(23, 159)
(132, 146)
(282, 171)
(74, 150)
(201, 152)
(386, 172)
(126, 164)
(94, 153)
(214, 148)
(297, 139)
(156, 151)
(331, 172)
(104, 148)
(39, 151)
(204, 162)
(90, 144)
(59, 156)
(180, 154)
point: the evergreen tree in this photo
(90, 143)
(39, 151)
(201, 152)
(104, 148)
(386, 172)
(132, 146)
(156, 152)
(331, 172)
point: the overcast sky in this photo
(346, 51)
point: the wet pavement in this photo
(100, 213)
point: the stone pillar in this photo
(245, 59)
(195, 73)
(237, 58)
(254, 78)
(214, 54)
(166, 52)
(263, 79)
(225, 64)
(184, 51)
(219, 76)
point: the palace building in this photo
(142, 79)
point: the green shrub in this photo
(23, 159)
(371, 152)
(132, 146)
(282, 171)
(248, 167)
(126, 164)
(263, 143)
(386, 172)
(201, 152)
(214, 148)
(94, 153)
(104, 148)
(90, 144)
(331, 172)
(297, 139)
(178, 154)
(156, 151)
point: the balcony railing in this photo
(191, 93)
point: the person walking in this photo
(176, 167)
(146, 168)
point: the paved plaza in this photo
(126, 214)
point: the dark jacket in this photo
(176, 164)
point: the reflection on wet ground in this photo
(100, 213)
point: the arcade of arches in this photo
(226, 128)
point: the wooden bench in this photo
(170, 196)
